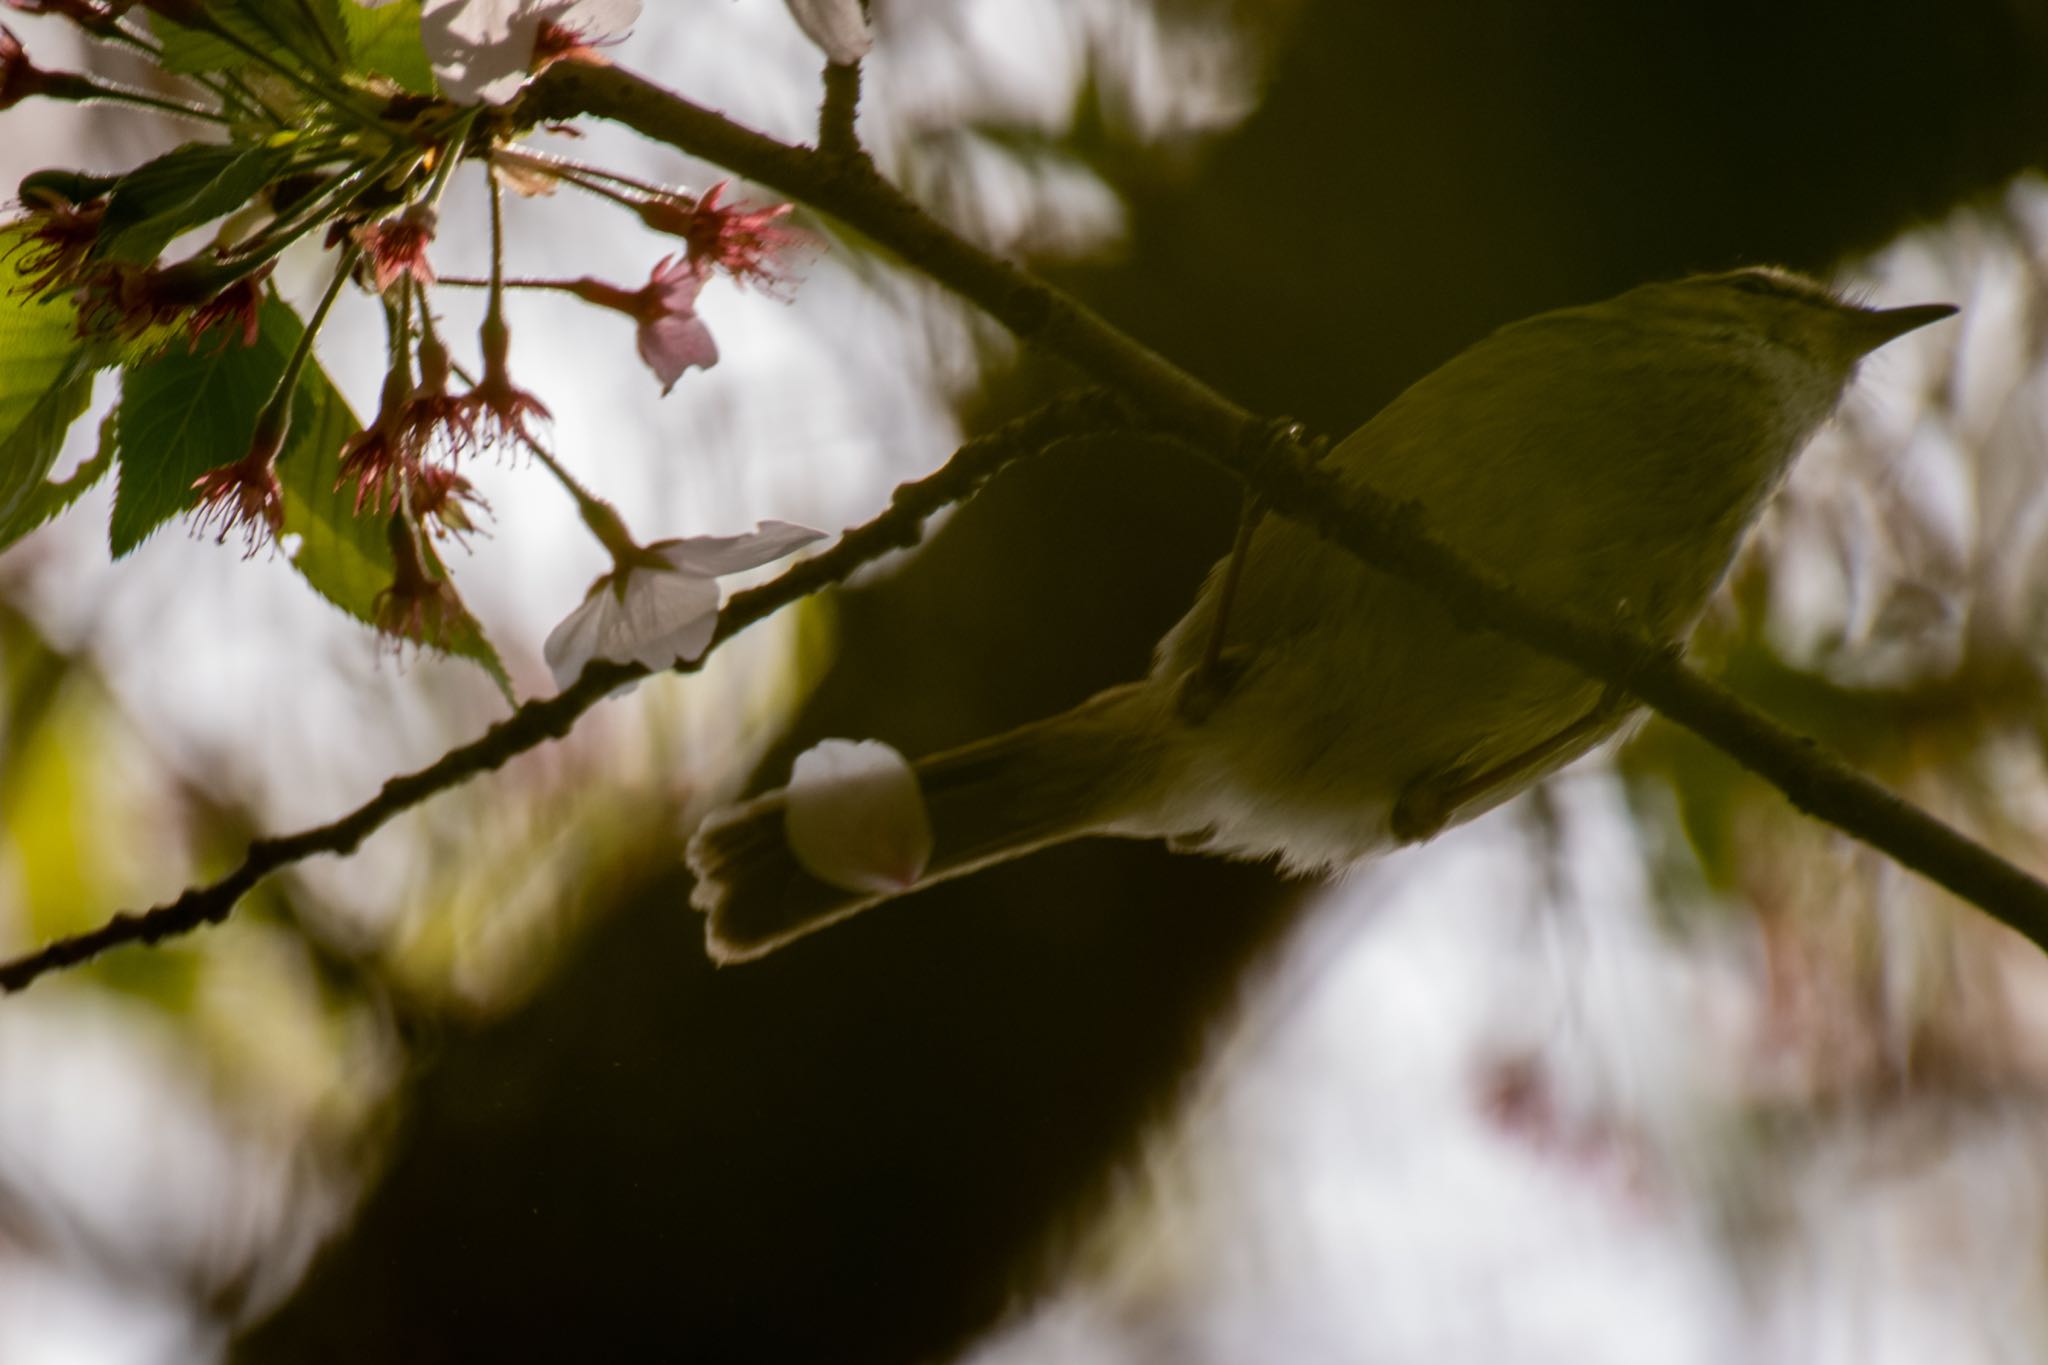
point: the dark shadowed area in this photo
(864, 1149)
(898, 1140)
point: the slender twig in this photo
(851, 190)
(1280, 469)
(836, 135)
(1387, 535)
(898, 527)
(512, 282)
(1393, 537)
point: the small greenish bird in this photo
(1606, 458)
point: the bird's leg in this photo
(1427, 804)
(1211, 679)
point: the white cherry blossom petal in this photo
(712, 556)
(573, 643)
(482, 50)
(665, 617)
(840, 27)
(660, 617)
(856, 817)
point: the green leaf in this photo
(28, 451)
(386, 42)
(304, 33)
(183, 412)
(181, 190)
(189, 51)
(45, 379)
(464, 638)
(46, 500)
(163, 182)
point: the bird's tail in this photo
(1088, 770)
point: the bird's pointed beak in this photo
(1880, 325)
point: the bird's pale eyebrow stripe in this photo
(1774, 285)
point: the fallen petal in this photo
(856, 818)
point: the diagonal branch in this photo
(1077, 417)
(1277, 463)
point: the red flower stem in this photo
(428, 337)
(587, 288)
(471, 282)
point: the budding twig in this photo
(1389, 536)
(1280, 470)
(836, 135)
(899, 526)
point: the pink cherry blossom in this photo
(748, 244)
(672, 337)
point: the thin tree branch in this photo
(1277, 463)
(850, 189)
(901, 525)
(836, 135)
(1392, 536)
(1276, 460)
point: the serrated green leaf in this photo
(464, 636)
(183, 412)
(46, 500)
(467, 641)
(199, 412)
(28, 451)
(305, 33)
(162, 182)
(45, 379)
(386, 42)
(182, 190)
(189, 51)
(311, 28)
